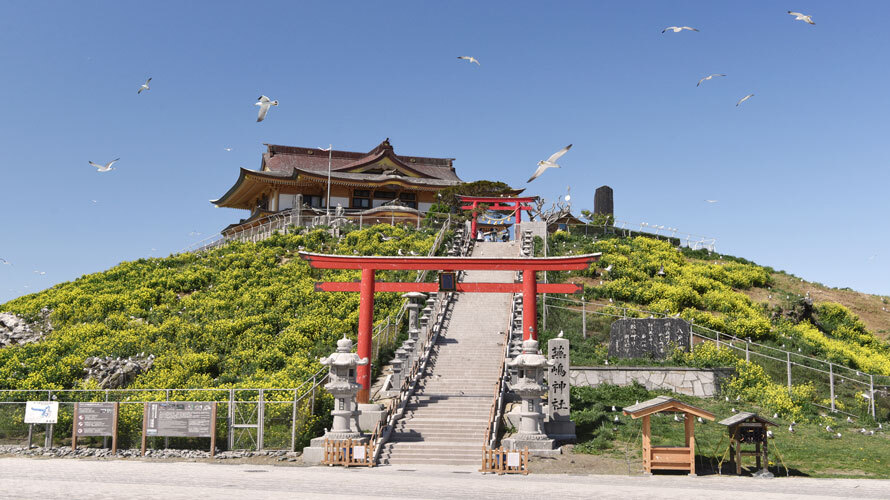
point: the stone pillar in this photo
(343, 387)
(559, 425)
(603, 201)
(414, 301)
(398, 367)
(530, 388)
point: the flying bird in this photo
(549, 162)
(801, 17)
(228, 149)
(264, 102)
(144, 87)
(707, 78)
(677, 29)
(40, 272)
(106, 167)
(711, 201)
(470, 59)
(743, 99)
(5, 262)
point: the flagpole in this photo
(328, 201)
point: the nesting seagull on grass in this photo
(801, 17)
(264, 102)
(470, 59)
(677, 29)
(549, 162)
(106, 167)
(708, 78)
(743, 99)
(144, 87)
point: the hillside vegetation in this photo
(244, 315)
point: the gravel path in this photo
(65, 478)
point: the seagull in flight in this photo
(677, 29)
(144, 86)
(708, 78)
(227, 149)
(801, 17)
(40, 272)
(711, 201)
(104, 168)
(264, 102)
(5, 262)
(470, 59)
(549, 162)
(743, 99)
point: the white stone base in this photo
(536, 447)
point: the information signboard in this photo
(41, 412)
(95, 419)
(180, 419)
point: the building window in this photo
(408, 199)
(361, 198)
(313, 201)
(385, 195)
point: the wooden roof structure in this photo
(668, 457)
(746, 416)
(747, 428)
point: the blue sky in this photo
(800, 171)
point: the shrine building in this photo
(358, 181)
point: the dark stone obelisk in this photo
(602, 201)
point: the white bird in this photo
(549, 162)
(5, 262)
(677, 29)
(144, 87)
(106, 167)
(733, 410)
(837, 436)
(708, 78)
(676, 418)
(711, 201)
(863, 431)
(743, 99)
(828, 428)
(607, 268)
(791, 429)
(726, 398)
(228, 149)
(40, 272)
(775, 415)
(801, 17)
(700, 420)
(849, 420)
(470, 59)
(264, 102)
(769, 434)
(616, 419)
(613, 408)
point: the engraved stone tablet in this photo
(558, 405)
(652, 338)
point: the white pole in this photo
(328, 201)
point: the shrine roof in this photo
(743, 416)
(665, 404)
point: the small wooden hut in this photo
(748, 428)
(668, 457)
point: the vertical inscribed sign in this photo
(558, 379)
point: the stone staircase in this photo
(446, 419)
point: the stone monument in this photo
(343, 387)
(603, 201)
(652, 338)
(559, 426)
(530, 388)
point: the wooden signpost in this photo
(180, 419)
(95, 419)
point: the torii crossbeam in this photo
(367, 286)
(514, 204)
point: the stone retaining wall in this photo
(701, 382)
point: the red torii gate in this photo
(369, 264)
(502, 204)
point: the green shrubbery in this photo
(244, 315)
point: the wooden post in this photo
(765, 453)
(114, 422)
(647, 448)
(213, 430)
(144, 425)
(689, 428)
(738, 451)
(831, 384)
(30, 434)
(74, 429)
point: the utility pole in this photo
(327, 202)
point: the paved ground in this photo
(65, 478)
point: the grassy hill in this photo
(244, 315)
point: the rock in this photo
(17, 330)
(113, 373)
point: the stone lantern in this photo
(530, 387)
(343, 388)
(414, 301)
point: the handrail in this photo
(494, 416)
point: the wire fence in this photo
(629, 229)
(838, 388)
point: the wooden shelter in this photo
(748, 428)
(668, 457)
